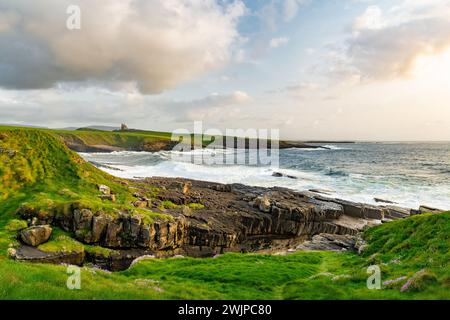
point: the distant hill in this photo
(21, 125)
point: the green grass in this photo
(60, 241)
(304, 275)
(167, 204)
(44, 175)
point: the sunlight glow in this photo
(433, 69)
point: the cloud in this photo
(118, 41)
(59, 107)
(215, 107)
(386, 45)
(276, 11)
(291, 7)
(371, 19)
(278, 42)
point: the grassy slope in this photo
(44, 175)
(43, 167)
(126, 140)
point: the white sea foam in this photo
(355, 186)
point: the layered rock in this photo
(231, 218)
(32, 254)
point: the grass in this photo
(303, 275)
(167, 204)
(60, 241)
(39, 173)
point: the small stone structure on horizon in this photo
(123, 127)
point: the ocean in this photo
(409, 174)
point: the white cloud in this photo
(72, 106)
(372, 19)
(280, 10)
(118, 41)
(278, 42)
(291, 8)
(385, 44)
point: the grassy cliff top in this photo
(37, 170)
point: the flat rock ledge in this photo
(231, 218)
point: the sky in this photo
(314, 69)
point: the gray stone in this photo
(35, 236)
(105, 190)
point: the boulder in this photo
(322, 191)
(281, 175)
(379, 200)
(277, 174)
(108, 197)
(105, 190)
(35, 236)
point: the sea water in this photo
(409, 174)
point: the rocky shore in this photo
(203, 219)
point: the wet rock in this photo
(321, 191)
(36, 235)
(379, 200)
(281, 175)
(277, 174)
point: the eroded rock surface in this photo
(224, 218)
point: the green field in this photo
(38, 171)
